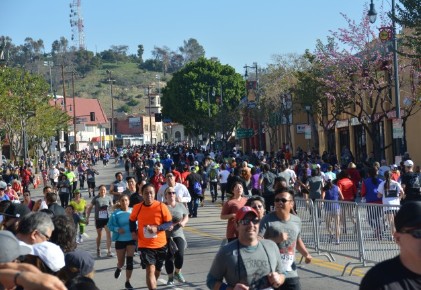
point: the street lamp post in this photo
(372, 14)
(254, 66)
(308, 109)
(112, 108)
(209, 116)
(149, 111)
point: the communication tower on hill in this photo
(76, 23)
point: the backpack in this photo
(213, 175)
(197, 188)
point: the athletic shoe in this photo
(128, 285)
(179, 277)
(80, 239)
(117, 273)
(110, 255)
(170, 281)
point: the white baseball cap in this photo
(408, 163)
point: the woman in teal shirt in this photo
(124, 244)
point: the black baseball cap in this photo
(409, 215)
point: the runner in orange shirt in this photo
(153, 218)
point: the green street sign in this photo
(242, 133)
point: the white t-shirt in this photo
(53, 174)
(391, 196)
(180, 190)
(223, 176)
(289, 175)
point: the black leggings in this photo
(178, 259)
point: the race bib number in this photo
(147, 234)
(103, 213)
(90, 176)
(64, 190)
(287, 261)
(391, 193)
(120, 189)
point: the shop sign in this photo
(341, 123)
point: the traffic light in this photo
(92, 116)
(158, 117)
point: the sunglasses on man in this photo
(416, 233)
(246, 222)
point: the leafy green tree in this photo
(152, 65)
(33, 49)
(409, 16)
(140, 51)
(176, 62)
(278, 101)
(86, 61)
(192, 50)
(44, 125)
(125, 108)
(60, 52)
(24, 99)
(132, 102)
(185, 98)
(163, 54)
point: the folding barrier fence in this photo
(361, 231)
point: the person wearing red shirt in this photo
(157, 178)
(177, 174)
(395, 173)
(354, 174)
(349, 192)
(184, 174)
(25, 175)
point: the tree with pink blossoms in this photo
(357, 76)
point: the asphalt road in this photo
(205, 235)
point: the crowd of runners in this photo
(159, 188)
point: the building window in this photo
(146, 127)
(177, 136)
(90, 128)
(153, 127)
(360, 143)
(379, 137)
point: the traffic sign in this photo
(397, 129)
(242, 133)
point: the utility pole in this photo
(112, 108)
(66, 133)
(74, 111)
(150, 115)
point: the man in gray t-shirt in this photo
(284, 229)
(247, 262)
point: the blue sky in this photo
(237, 32)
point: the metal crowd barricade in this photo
(336, 224)
(361, 231)
(376, 223)
(305, 210)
